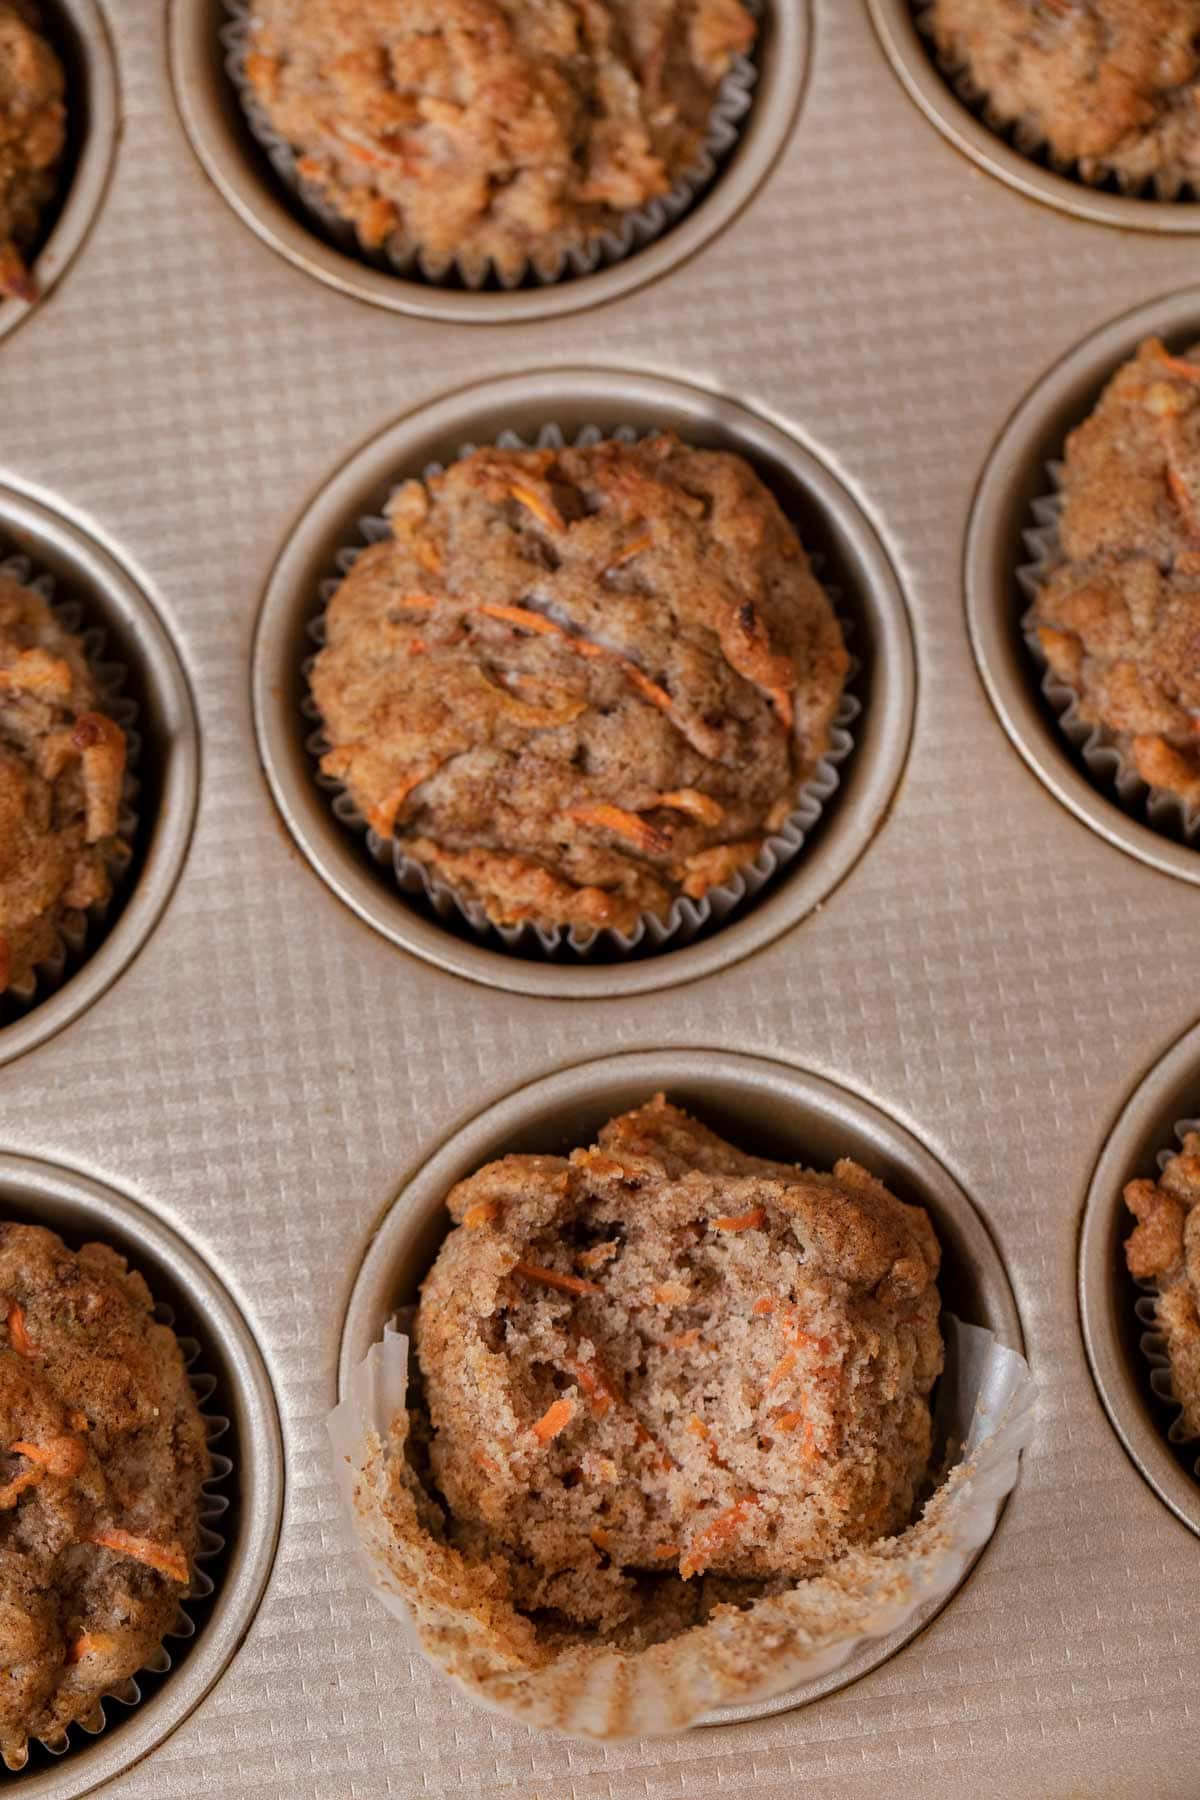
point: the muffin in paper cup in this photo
(77, 928)
(687, 916)
(1153, 1340)
(637, 227)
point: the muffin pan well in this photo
(82, 1210)
(212, 114)
(852, 562)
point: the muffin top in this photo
(102, 1458)
(1119, 619)
(661, 1356)
(1111, 83)
(32, 133)
(1165, 1249)
(579, 683)
(491, 130)
(62, 760)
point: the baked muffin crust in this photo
(62, 762)
(1119, 620)
(32, 134)
(579, 683)
(1165, 1249)
(102, 1459)
(490, 129)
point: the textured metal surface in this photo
(992, 974)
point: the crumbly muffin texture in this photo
(1113, 85)
(578, 683)
(62, 763)
(102, 1459)
(663, 1357)
(1165, 1249)
(1119, 619)
(491, 131)
(32, 134)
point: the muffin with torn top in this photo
(1165, 1249)
(491, 133)
(32, 136)
(577, 684)
(103, 1456)
(62, 764)
(1118, 618)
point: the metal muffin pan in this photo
(212, 115)
(989, 977)
(82, 1211)
(914, 59)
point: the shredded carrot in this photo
(18, 1337)
(1176, 364)
(486, 1462)
(556, 1418)
(705, 1545)
(12, 1493)
(605, 1168)
(781, 700)
(416, 602)
(417, 646)
(782, 1368)
(641, 1436)
(481, 1214)
(1181, 495)
(570, 1284)
(601, 1538)
(698, 1428)
(650, 690)
(90, 1643)
(763, 1306)
(694, 803)
(543, 510)
(634, 548)
(596, 1384)
(666, 1552)
(168, 1559)
(521, 615)
(599, 1254)
(623, 824)
(671, 1293)
(59, 1456)
(744, 1222)
(383, 816)
(684, 1340)
(428, 555)
(788, 1421)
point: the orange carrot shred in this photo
(788, 1421)
(544, 511)
(63, 1456)
(18, 1337)
(481, 1214)
(416, 602)
(684, 1340)
(697, 1427)
(782, 1368)
(694, 803)
(520, 615)
(623, 824)
(596, 1385)
(167, 1559)
(556, 1418)
(763, 1306)
(20, 1484)
(707, 1543)
(570, 1284)
(650, 690)
(428, 556)
(89, 1643)
(1181, 495)
(744, 1222)
(1177, 364)
(666, 1552)
(487, 1463)
(601, 1538)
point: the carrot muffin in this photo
(102, 1458)
(32, 133)
(660, 1359)
(491, 130)
(1119, 619)
(62, 761)
(576, 684)
(1113, 85)
(1165, 1249)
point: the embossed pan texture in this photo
(268, 1071)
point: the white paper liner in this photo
(1164, 186)
(638, 227)
(1152, 1342)
(686, 917)
(985, 1403)
(1104, 756)
(110, 679)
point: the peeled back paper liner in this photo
(1105, 757)
(1161, 187)
(686, 917)
(110, 678)
(1153, 1343)
(637, 227)
(776, 1644)
(214, 1504)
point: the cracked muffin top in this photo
(491, 130)
(1119, 619)
(579, 683)
(661, 1356)
(102, 1459)
(1113, 85)
(1165, 1249)
(32, 134)
(62, 763)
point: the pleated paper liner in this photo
(214, 1504)
(687, 917)
(1153, 1344)
(78, 930)
(638, 227)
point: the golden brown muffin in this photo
(662, 1357)
(491, 130)
(1119, 620)
(102, 1459)
(576, 684)
(1165, 1249)
(1113, 85)
(32, 134)
(62, 761)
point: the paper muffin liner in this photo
(687, 917)
(214, 1504)
(638, 226)
(1153, 1344)
(1164, 186)
(984, 1414)
(76, 928)
(1107, 761)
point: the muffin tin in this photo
(957, 972)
